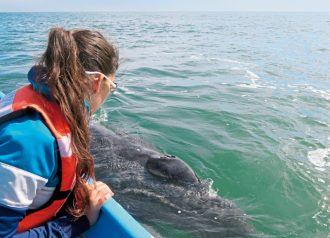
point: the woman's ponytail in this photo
(65, 60)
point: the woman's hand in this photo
(99, 193)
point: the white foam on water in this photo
(101, 117)
(129, 79)
(20, 84)
(320, 180)
(225, 60)
(237, 69)
(323, 93)
(320, 169)
(126, 90)
(252, 76)
(230, 61)
(319, 158)
(323, 123)
(195, 57)
(292, 86)
(152, 90)
(248, 85)
(211, 191)
(321, 216)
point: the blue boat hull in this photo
(116, 222)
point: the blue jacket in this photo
(28, 174)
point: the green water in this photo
(243, 98)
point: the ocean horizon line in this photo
(165, 11)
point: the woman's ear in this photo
(96, 83)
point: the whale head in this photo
(172, 168)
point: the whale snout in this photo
(172, 168)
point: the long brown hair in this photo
(68, 55)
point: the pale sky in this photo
(164, 5)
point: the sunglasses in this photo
(113, 84)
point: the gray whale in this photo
(162, 189)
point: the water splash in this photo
(319, 157)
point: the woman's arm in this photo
(64, 226)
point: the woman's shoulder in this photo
(27, 143)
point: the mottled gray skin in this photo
(164, 166)
(157, 188)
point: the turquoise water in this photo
(243, 98)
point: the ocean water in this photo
(243, 98)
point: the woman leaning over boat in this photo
(45, 163)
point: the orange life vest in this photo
(18, 103)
